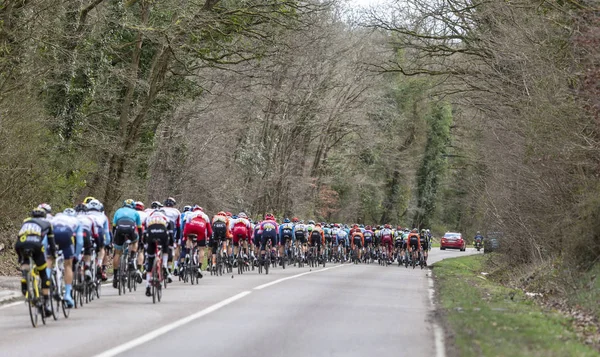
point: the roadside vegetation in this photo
(486, 318)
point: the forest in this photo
(460, 115)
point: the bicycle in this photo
(57, 287)
(33, 298)
(79, 285)
(157, 276)
(192, 263)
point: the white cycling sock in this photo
(176, 263)
(148, 277)
(165, 258)
(99, 262)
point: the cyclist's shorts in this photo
(386, 240)
(125, 230)
(328, 239)
(87, 242)
(63, 237)
(341, 241)
(157, 233)
(240, 237)
(301, 237)
(219, 230)
(266, 236)
(424, 244)
(398, 243)
(357, 242)
(414, 243)
(315, 239)
(197, 228)
(33, 245)
(368, 240)
(284, 238)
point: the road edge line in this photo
(438, 331)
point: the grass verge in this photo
(487, 319)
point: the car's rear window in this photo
(452, 235)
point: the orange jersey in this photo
(321, 232)
(357, 234)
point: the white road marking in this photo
(296, 276)
(11, 305)
(167, 328)
(438, 331)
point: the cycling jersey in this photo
(31, 236)
(126, 226)
(300, 232)
(358, 239)
(286, 232)
(241, 229)
(65, 229)
(386, 238)
(414, 240)
(158, 229)
(342, 237)
(368, 235)
(269, 233)
(174, 217)
(103, 224)
(220, 227)
(197, 223)
(317, 236)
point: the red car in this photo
(453, 240)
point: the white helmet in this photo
(94, 205)
(242, 215)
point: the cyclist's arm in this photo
(78, 240)
(51, 243)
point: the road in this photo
(348, 310)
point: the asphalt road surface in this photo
(342, 310)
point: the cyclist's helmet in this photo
(101, 207)
(355, 225)
(187, 208)
(242, 215)
(70, 212)
(129, 203)
(398, 228)
(286, 220)
(269, 217)
(139, 206)
(368, 228)
(388, 226)
(295, 219)
(38, 212)
(228, 214)
(196, 208)
(88, 199)
(94, 205)
(478, 232)
(46, 207)
(221, 213)
(170, 202)
(311, 222)
(82, 207)
(156, 205)
(336, 225)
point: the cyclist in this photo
(33, 232)
(414, 244)
(424, 243)
(126, 226)
(174, 216)
(140, 208)
(269, 232)
(220, 227)
(286, 234)
(102, 233)
(386, 240)
(478, 238)
(66, 226)
(357, 240)
(88, 226)
(159, 228)
(368, 235)
(300, 237)
(342, 242)
(399, 244)
(241, 232)
(198, 223)
(317, 238)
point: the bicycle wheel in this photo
(33, 311)
(40, 300)
(54, 302)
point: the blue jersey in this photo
(127, 213)
(286, 230)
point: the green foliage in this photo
(433, 164)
